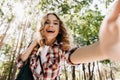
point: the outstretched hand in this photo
(110, 34)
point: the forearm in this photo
(28, 51)
(87, 54)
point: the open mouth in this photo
(50, 31)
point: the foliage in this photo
(84, 27)
(82, 21)
(63, 6)
(5, 68)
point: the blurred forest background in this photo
(18, 23)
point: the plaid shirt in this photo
(51, 63)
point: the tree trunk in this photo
(83, 65)
(11, 67)
(73, 73)
(66, 76)
(14, 66)
(3, 35)
(100, 77)
(89, 70)
(91, 76)
(19, 46)
(79, 75)
(111, 73)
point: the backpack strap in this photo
(41, 66)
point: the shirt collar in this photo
(56, 44)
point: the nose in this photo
(51, 25)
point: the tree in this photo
(82, 21)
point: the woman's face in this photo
(51, 28)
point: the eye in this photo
(47, 22)
(56, 23)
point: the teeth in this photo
(50, 31)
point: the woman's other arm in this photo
(28, 51)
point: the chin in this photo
(50, 38)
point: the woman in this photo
(54, 46)
(54, 42)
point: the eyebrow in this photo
(56, 20)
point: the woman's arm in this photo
(87, 54)
(28, 51)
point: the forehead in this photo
(52, 17)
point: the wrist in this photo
(34, 43)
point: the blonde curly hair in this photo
(63, 36)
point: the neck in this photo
(50, 42)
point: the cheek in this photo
(57, 31)
(44, 32)
(44, 29)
